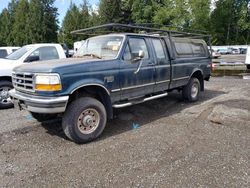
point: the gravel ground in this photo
(161, 143)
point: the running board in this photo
(141, 101)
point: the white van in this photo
(247, 62)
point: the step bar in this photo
(139, 101)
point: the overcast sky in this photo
(62, 6)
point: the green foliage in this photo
(110, 11)
(28, 21)
(35, 19)
(19, 30)
(72, 21)
(230, 22)
(50, 22)
(4, 27)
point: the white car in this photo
(5, 51)
(247, 62)
(26, 54)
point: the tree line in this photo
(31, 21)
(28, 21)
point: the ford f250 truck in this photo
(111, 71)
(24, 55)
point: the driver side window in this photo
(35, 53)
(133, 47)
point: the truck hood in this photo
(53, 65)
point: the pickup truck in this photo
(24, 55)
(110, 71)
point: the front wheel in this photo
(84, 120)
(192, 90)
(5, 101)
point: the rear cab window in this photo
(3, 53)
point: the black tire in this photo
(43, 117)
(188, 92)
(248, 66)
(4, 103)
(83, 114)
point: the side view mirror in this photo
(31, 59)
(140, 56)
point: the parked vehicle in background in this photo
(247, 62)
(215, 54)
(71, 53)
(5, 51)
(24, 55)
(235, 51)
(78, 45)
(112, 71)
(225, 51)
(243, 50)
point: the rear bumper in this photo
(38, 104)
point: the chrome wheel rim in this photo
(194, 90)
(4, 95)
(88, 121)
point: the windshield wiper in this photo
(93, 55)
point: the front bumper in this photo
(38, 104)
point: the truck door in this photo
(135, 80)
(162, 65)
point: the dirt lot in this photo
(162, 143)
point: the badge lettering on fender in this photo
(109, 79)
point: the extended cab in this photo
(24, 55)
(110, 71)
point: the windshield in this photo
(104, 47)
(18, 53)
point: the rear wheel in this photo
(5, 101)
(84, 120)
(192, 90)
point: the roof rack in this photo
(144, 28)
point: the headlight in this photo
(47, 82)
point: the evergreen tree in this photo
(11, 11)
(35, 21)
(72, 21)
(110, 11)
(126, 11)
(50, 22)
(4, 27)
(20, 31)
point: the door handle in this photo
(151, 64)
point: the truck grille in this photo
(23, 81)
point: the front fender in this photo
(86, 82)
